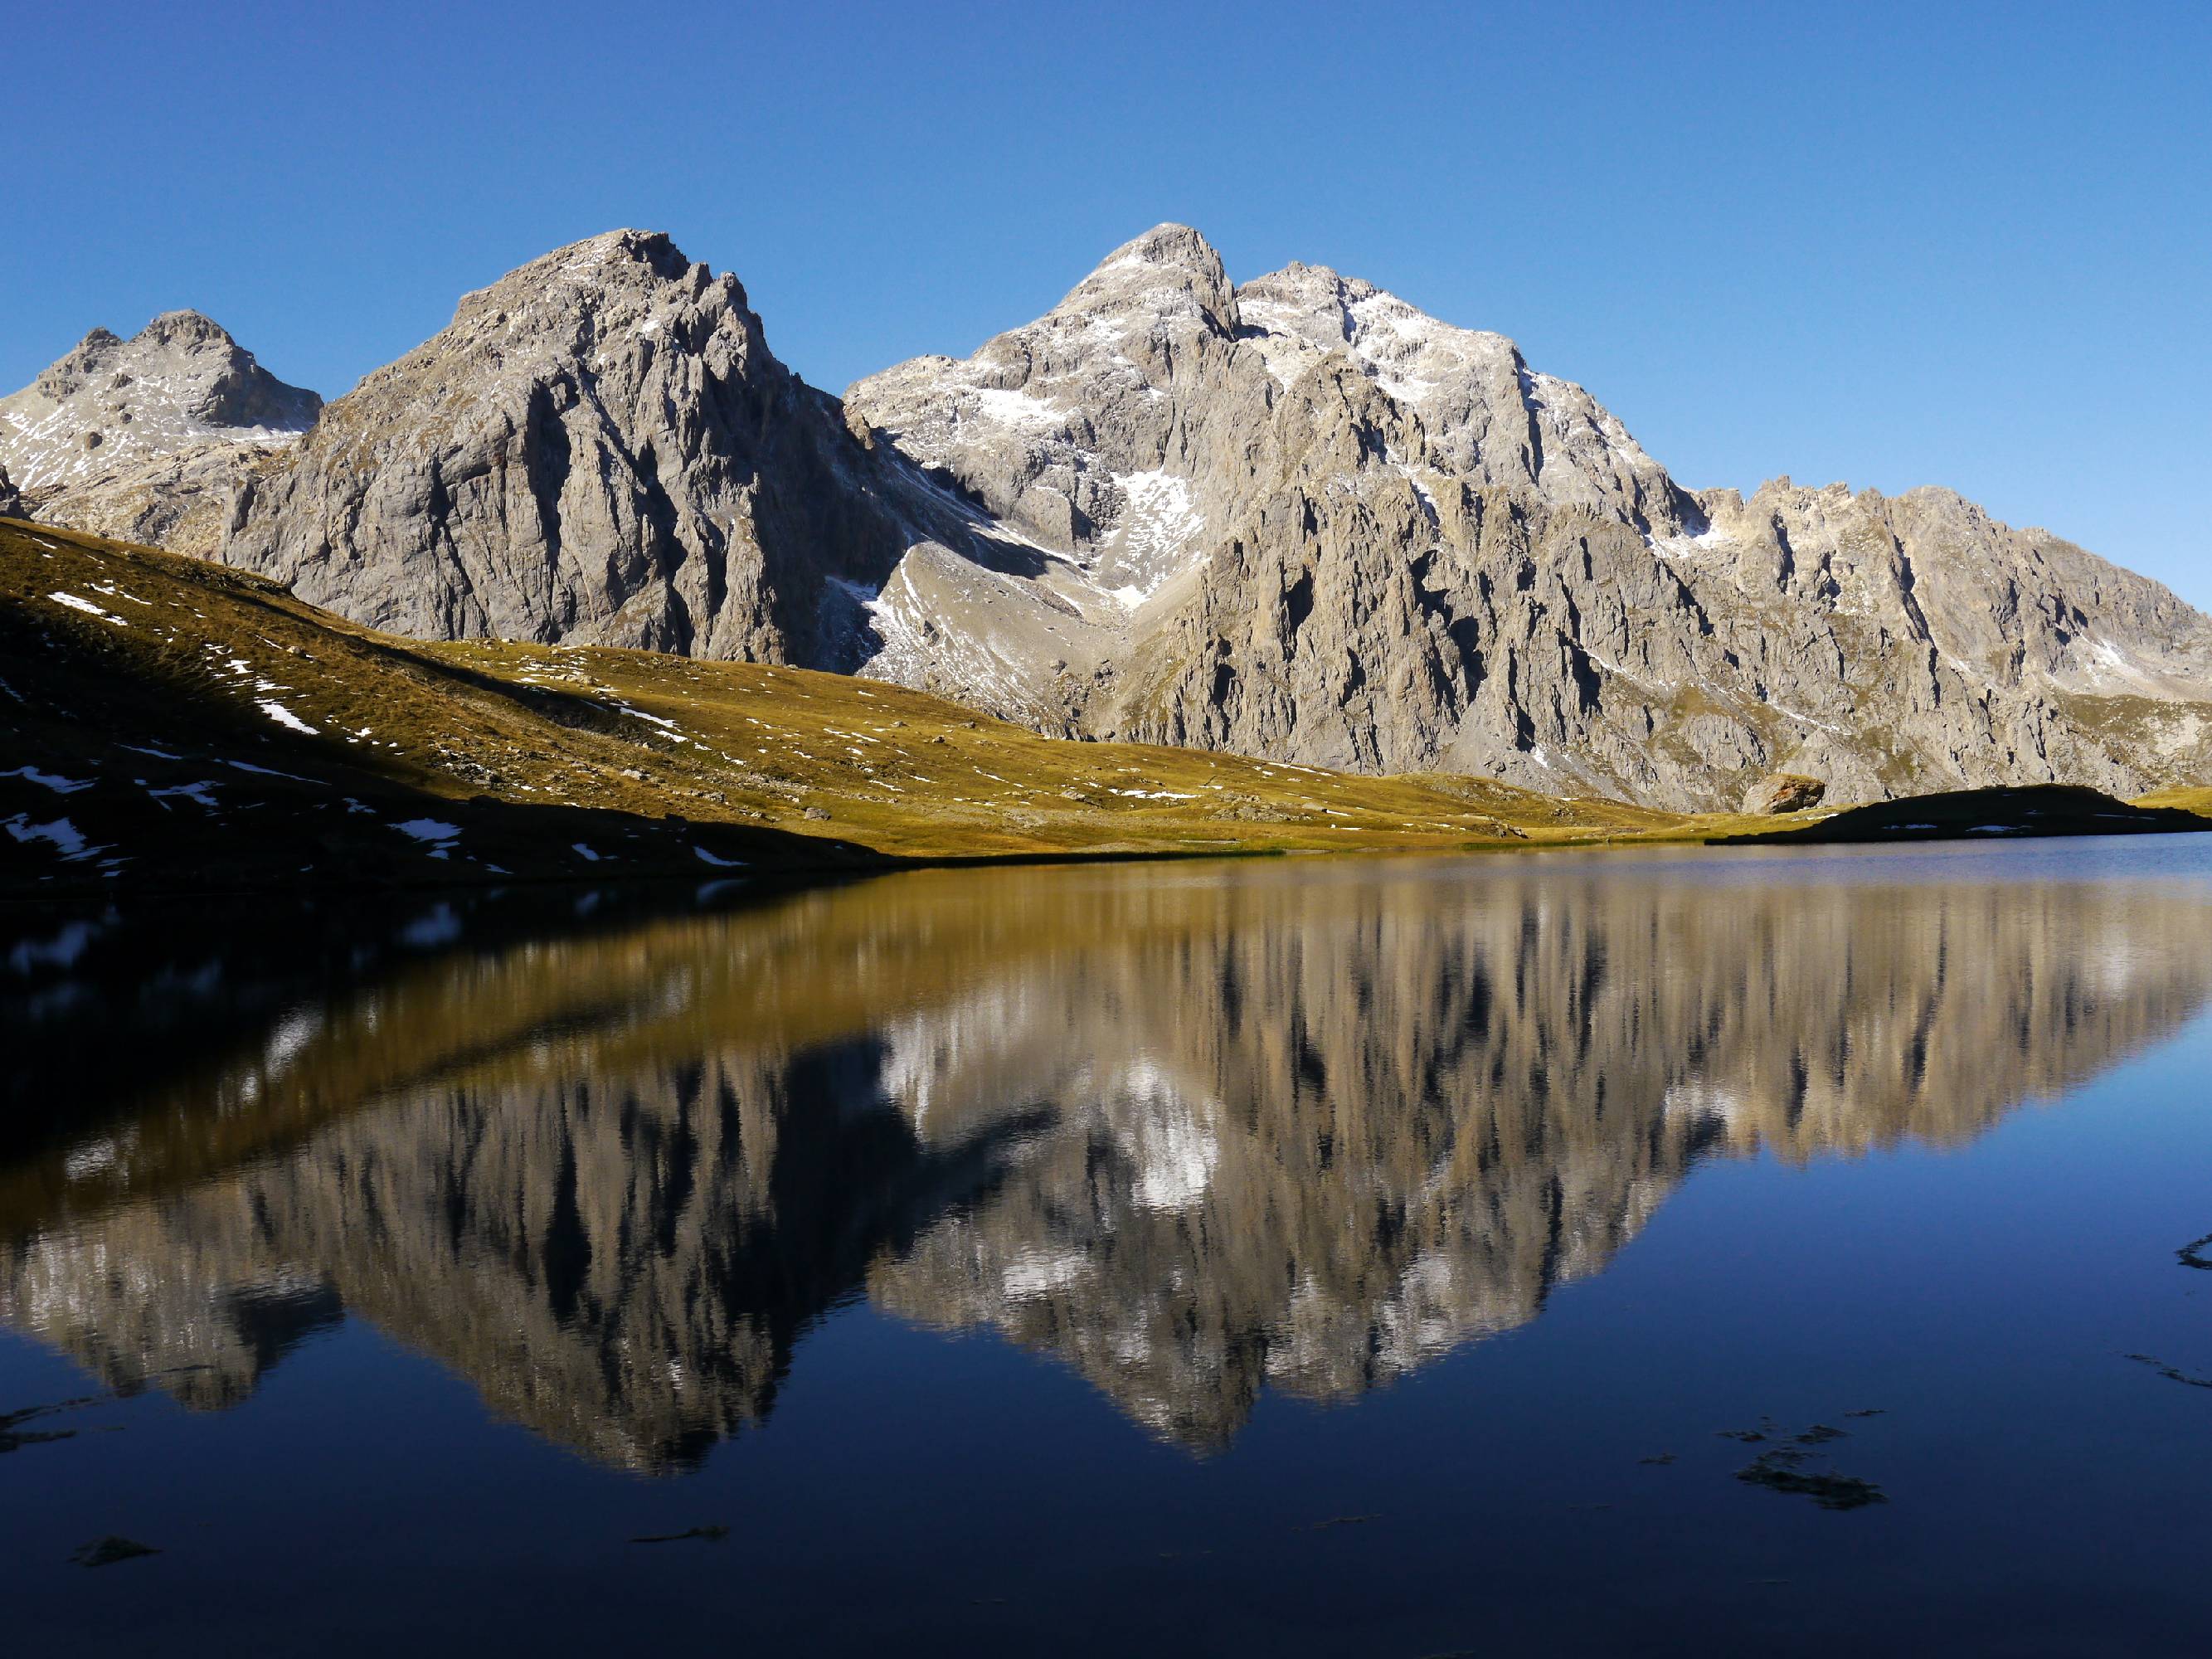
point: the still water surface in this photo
(1344, 1257)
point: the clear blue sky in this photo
(1926, 243)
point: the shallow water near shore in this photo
(1679, 1252)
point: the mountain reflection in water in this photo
(1197, 1131)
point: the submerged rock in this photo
(709, 1535)
(1777, 1471)
(106, 1551)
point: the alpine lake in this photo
(1692, 1252)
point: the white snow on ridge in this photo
(1687, 547)
(51, 450)
(1163, 517)
(86, 605)
(53, 781)
(282, 715)
(1286, 353)
(191, 792)
(65, 837)
(1154, 540)
(2108, 665)
(1023, 410)
(1802, 719)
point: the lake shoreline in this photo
(865, 864)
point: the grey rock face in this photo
(562, 461)
(600, 447)
(1297, 519)
(1783, 791)
(145, 439)
(1390, 544)
(11, 500)
(181, 501)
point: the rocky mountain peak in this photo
(86, 356)
(606, 295)
(597, 271)
(1487, 415)
(1167, 262)
(188, 329)
(600, 447)
(1088, 430)
(181, 382)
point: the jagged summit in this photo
(600, 447)
(574, 304)
(187, 328)
(613, 260)
(1485, 414)
(1167, 260)
(1312, 521)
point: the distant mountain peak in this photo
(1169, 268)
(187, 328)
(608, 415)
(179, 383)
(596, 256)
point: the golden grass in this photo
(820, 756)
(797, 769)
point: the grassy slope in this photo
(529, 750)
(2198, 800)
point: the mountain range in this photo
(1296, 518)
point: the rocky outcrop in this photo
(146, 440)
(12, 498)
(1783, 791)
(181, 501)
